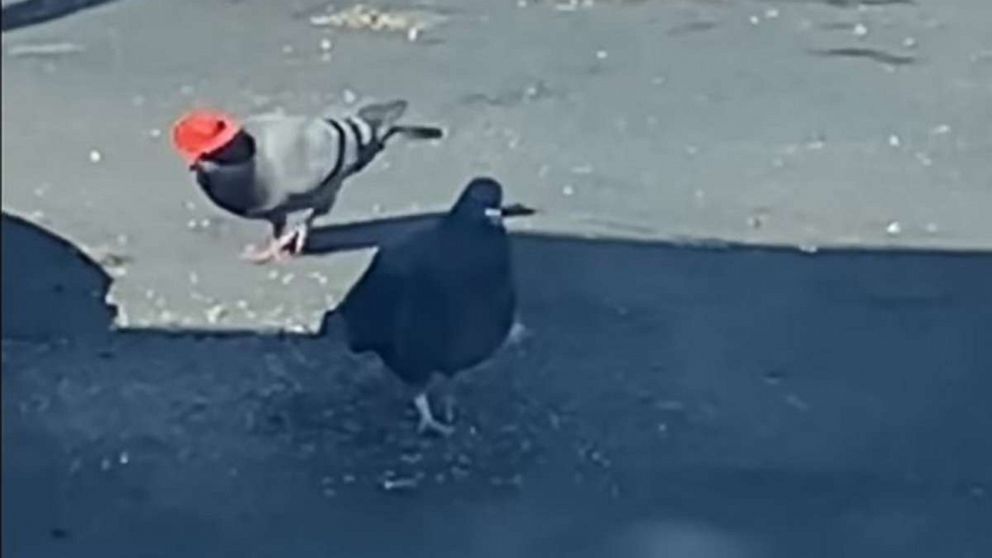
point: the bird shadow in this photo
(366, 234)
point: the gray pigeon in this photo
(439, 301)
(286, 170)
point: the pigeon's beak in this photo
(494, 214)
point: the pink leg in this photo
(278, 249)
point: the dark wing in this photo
(369, 309)
(422, 340)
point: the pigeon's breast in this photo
(481, 308)
(233, 188)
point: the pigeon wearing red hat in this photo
(286, 170)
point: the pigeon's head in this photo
(481, 201)
(204, 134)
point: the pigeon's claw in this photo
(432, 425)
(271, 251)
(299, 239)
(449, 408)
(278, 249)
(427, 421)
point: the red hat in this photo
(201, 132)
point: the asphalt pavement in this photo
(756, 289)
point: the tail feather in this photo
(414, 132)
(382, 116)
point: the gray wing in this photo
(296, 160)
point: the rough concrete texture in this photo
(668, 399)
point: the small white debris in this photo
(518, 332)
(893, 228)
(273, 275)
(568, 190)
(924, 159)
(601, 54)
(376, 209)
(755, 221)
(155, 133)
(894, 141)
(295, 327)
(771, 13)
(940, 130)
(931, 228)
(662, 428)
(242, 304)
(44, 50)
(215, 313)
(670, 406)
(192, 224)
(194, 279)
(104, 464)
(287, 279)
(325, 44)
(582, 169)
(399, 484)
(123, 458)
(860, 30)
(349, 96)
(755, 20)
(809, 248)
(95, 156)
(909, 42)
(287, 49)
(795, 401)
(412, 34)
(691, 150)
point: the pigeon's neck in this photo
(239, 151)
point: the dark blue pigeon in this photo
(440, 300)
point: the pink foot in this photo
(272, 252)
(279, 249)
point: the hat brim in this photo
(191, 155)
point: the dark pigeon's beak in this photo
(495, 215)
